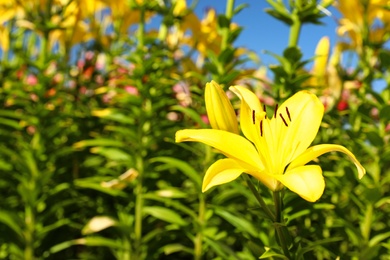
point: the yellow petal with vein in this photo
(251, 113)
(231, 145)
(306, 181)
(302, 113)
(221, 172)
(318, 150)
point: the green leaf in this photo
(239, 222)
(165, 214)
(375, 139)
(271, 253)
(312, 246)
(98, 142)
(384, 113)
(239, 8)
(194, 115)
(173, 204)
(184, 167)
(384, 57)
(229, 77)
(223, 22)
(226, 56)
(112, 153)
(11, 123)
(89, 183)
(88, 241)
(174, 248)
(13, 221)
(292, 54)
(378, 238)
(223, 250)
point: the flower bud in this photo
(219, 109)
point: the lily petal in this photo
(219, 109)
(221, 172)
(318, 150)
(251, 113)
(321, 60)
(297, 122)
(231, 145)
(306, 181)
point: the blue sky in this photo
(263, 32)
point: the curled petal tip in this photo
(180, 136)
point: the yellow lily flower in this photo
(274, 150)
(4, 38)
(321, 61)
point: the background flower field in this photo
(92, 93)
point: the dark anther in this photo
(284, 121)
(265, 110)
(288, 113)
(253, 116)
(261, 127)
(276, 110)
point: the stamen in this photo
(284, 121)
(276, 110)
(253, 116)
(288, 113)
(261, 127)
(265, 110)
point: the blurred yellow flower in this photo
(359, 18)
(180, 7)
(4, 38)
(319, 69)
(274, 150)
(204, 35)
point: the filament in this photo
(284, 121)
(288, 114)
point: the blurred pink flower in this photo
(387, 129)
(101, 61)
(183, 94)
(89, 55)
(205, 119)
(31, 80)
(131, 90)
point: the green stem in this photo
(279, 224)
(29, 233)
(199, 236)
(141, 30)
(138, 210)
(226, 29)
(259, 198)
(295, 31)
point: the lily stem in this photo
(295, 30)
(226, 28)
(141, 30)
(279, 224)
(199, 236)
(259, 198)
